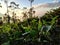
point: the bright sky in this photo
(25, 3)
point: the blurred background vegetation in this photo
(32, 31)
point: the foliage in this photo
(30, 30)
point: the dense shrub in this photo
(32, 31)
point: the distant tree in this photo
(31, 12)
(14, 17)
(5, 18)
(25, 15)
(24, 7)
(34, 13)
(8, 18)
(15, 5)
(31, 1)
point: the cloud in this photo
(56, 1)
(41, 9)
(48, 5)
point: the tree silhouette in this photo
(31, 1)
(15, 6)
(34, 13)
(8, 18)
(25, 15)
(14, 17)
(24, 7)
(30, 11)
(5, 18)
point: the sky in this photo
(26, 3)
